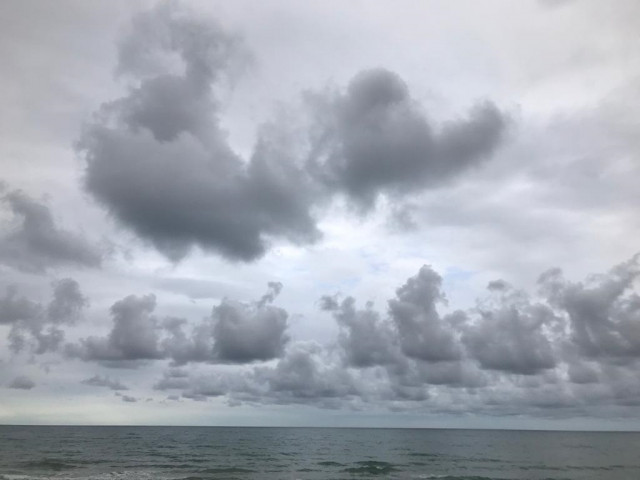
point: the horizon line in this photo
(550, 430)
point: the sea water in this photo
(196, 453)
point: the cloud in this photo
(203, 386)
(159, 161)
(245, 333)
(236, 332)
(514, 353)
(374, 139)
(99, 381)
(423, 334)
(509, 333)
(126, 398)
(37, 327)
(306, 375)
(365, 339)
(568, 347)
(173, 379)
(14, 308)
(604, 311)
(22, 383)
(68, 301)
(133, 337)
(35, 243)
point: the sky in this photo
(324, 213)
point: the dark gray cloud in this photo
(236, 332)
(22, 383)
(14, 308)
(67, 303)
(365, 339)
(100, 381)
(126, 398)
(245, 333)
(583, 372)
(508, 333)
(159, 161)
(375, 139)
(183, 348)
(423, 334)
(604, 311)
(134, 336)
(33, 242)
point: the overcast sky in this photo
(357, 213)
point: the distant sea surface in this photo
(199, 453)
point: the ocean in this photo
(199, 453)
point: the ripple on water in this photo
(371, 467)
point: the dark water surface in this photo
(313, 453)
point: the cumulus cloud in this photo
(568, 347)
(236, 332)
(33, 242)
(375, 139)
(423, 334)
(604, 311)
(513, 353)
(159, 161)
(510, 333)
(36, 327)
(133, 337)
(244, 333)
(22, 383)
(365, 338)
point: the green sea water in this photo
(200, 453)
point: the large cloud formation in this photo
(235, 333)
(159, 161)
(375, 139)
(161, 164)
(569, 348)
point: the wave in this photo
(48, 464)
(371, 467)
